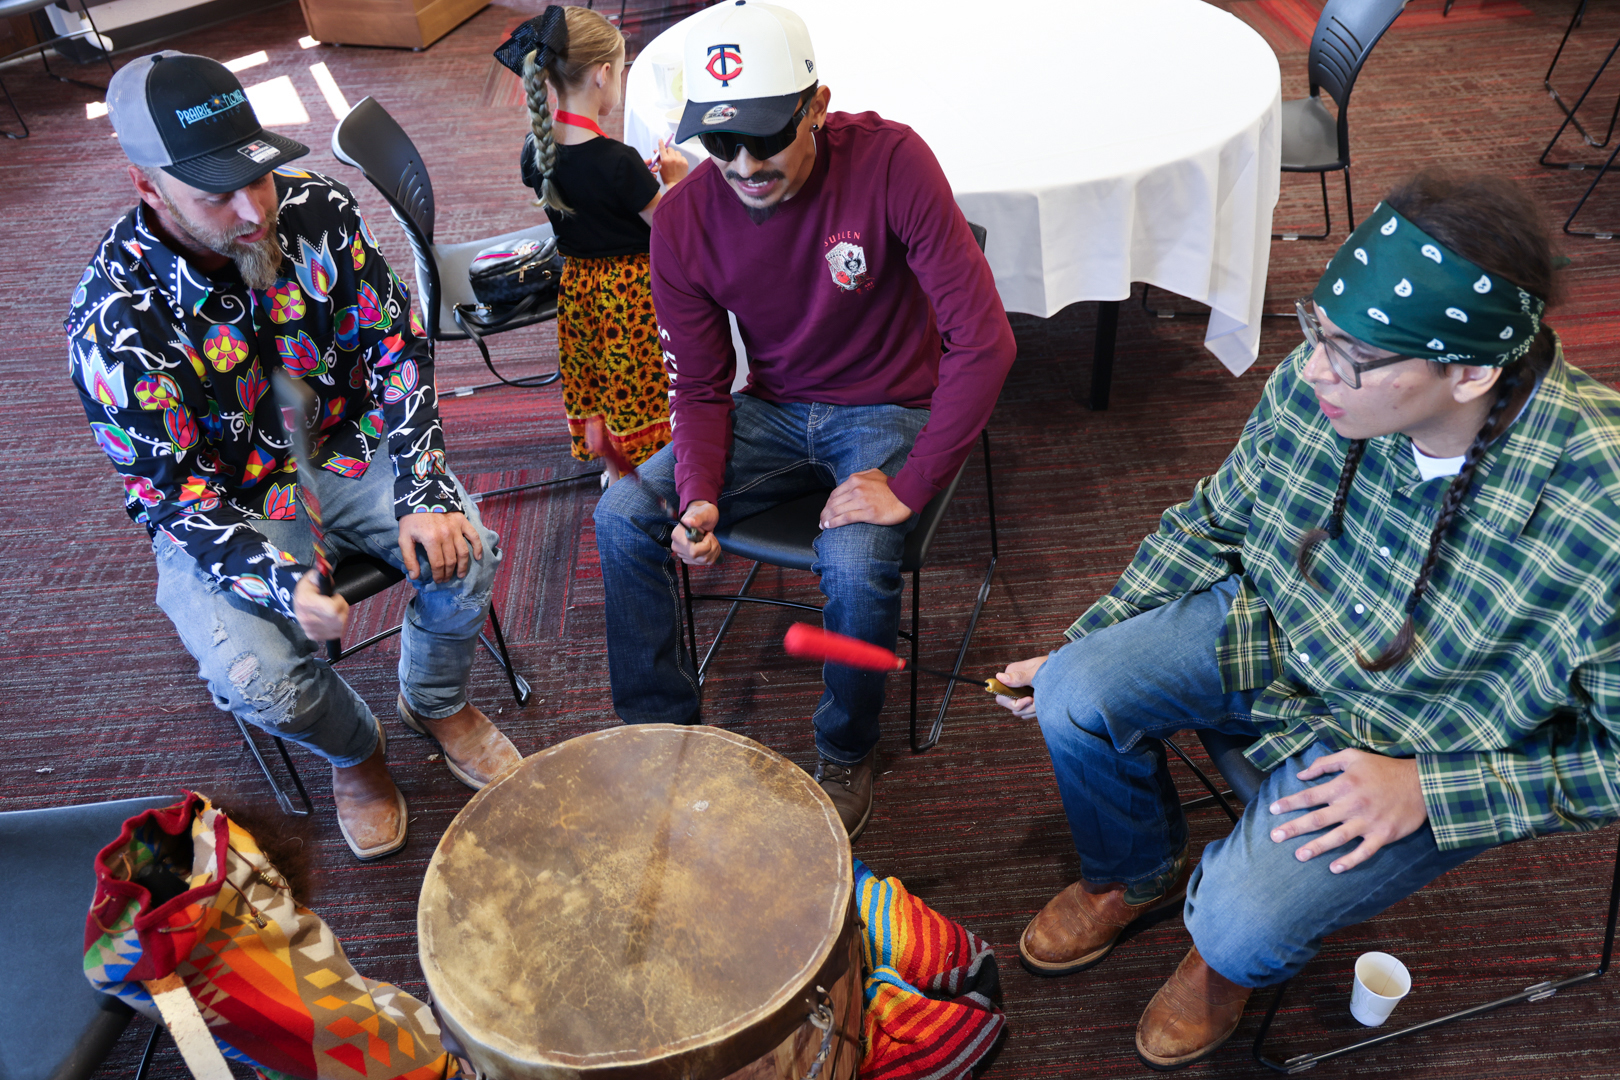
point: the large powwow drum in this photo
(651, 901)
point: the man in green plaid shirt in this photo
(1400, 587)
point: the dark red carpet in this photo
(100, 701)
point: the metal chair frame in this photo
(40, 47)
(367, 578)
(913, 635)
(1571, 119)
(1339, 48)
(1299, 1063)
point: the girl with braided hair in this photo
(1398, 589)
(600, 197)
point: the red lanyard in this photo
(580, 122)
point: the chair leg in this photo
(1540, 991)
(1570, 118)
(520, 685)
(282, 798)
(146, 1055)
(14, 109)
(1216, 796)
(1602, 172)
(1327, 213)
(973, 619)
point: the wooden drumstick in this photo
(813, 643)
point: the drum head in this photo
(647, 901)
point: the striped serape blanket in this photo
(931, 987)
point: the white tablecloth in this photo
(1100, 142)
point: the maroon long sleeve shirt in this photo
(865, 288)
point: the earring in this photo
(815, 127)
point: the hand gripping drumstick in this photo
(597, 441)
(813, 643)
(299, 407)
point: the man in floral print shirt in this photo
(226, 270)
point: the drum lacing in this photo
(823, 1021)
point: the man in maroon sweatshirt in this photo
(877, 346)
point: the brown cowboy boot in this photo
(1077, 929)
(474, 748)
(1193, 1013)
(370, 809)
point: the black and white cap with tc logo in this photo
(189, 116)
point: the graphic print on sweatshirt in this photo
(846, 261)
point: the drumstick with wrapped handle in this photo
(298, 408)
(813, 643)
(598, 442)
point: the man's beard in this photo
(259, 263)
(759, 215)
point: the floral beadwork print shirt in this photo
(172, 366)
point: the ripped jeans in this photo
(259, 664)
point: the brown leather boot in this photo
(850, 789)
(474, 748)
(1193, 1013)
(1078, 929)
(370, 809)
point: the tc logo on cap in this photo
(725, 62)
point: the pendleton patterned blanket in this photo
(931, 987)
(269, 979)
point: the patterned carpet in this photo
(100, 701)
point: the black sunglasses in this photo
(725, 144)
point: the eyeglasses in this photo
(724, 144)
(1347, 369)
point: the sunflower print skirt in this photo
(608, 351)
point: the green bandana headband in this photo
(1397, 288)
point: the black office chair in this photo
(357, 578)
(1226, 753)
(1312, 139)
(784, 536)
(373, 142)
(12, 8)
(58, 1027)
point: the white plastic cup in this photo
(1381, 982)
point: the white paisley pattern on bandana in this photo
(172, 367)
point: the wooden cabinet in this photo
(402, 24)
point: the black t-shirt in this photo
(608, 185)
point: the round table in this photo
(1100, 142)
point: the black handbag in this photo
(511, 282)
(509, 273)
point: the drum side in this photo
(645, 901)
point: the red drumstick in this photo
(598, 442)
(813, 643)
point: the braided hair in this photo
(574, 41)
(1493, 224)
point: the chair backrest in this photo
(373, 142)
(1345, 34)
(57, 1025)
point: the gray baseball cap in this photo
(189, 116)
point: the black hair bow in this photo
(546, 35)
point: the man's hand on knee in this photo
(1377, 798)
(322, 618)
(865, 496)
(1020, 674)
(706, 550)
(450, 540)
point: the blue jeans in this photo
(778, 453)
(259, 664)
(1255, 912)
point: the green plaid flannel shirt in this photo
(1511, 700)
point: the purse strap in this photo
(187, 1028)
(469, 317)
